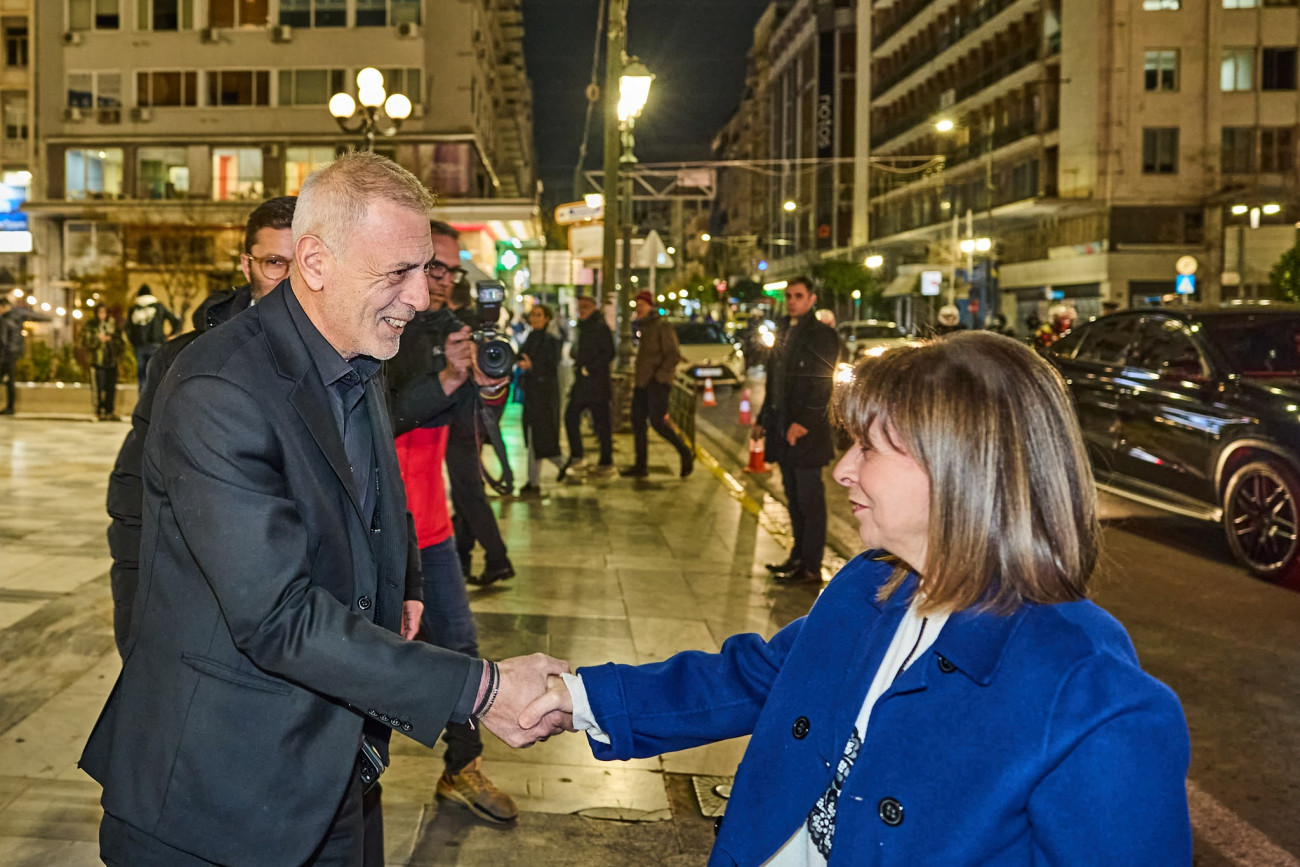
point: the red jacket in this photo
(420, 453)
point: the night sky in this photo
(695, 48)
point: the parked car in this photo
(1196, 410)
(707, 353)
(862, 337)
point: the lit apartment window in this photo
(238, 13)
(164, 88)
(1160, 150)
(1240, 4)
(381, 13)
(1236, 71)
(1158, 5)
(89, 90)
(94, 14)
(314, 13)
(300, 162)
(15, 35)
(236, 173)
(405, 81)
(165, 15)
(1277, 149)
(162, 173)
(1237, 149)
(92, 173)
(1160, 70)
(239, 87)
(1277, 69)
(310, 86)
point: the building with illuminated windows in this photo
(162, 123)
(1095, 142)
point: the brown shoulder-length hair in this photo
(1013, 508)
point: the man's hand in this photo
(756, 432)
(523, 681)
(459, 352)
(556, 703)
(793, 433)
(525, 363)
(411, 611)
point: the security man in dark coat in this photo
(591, 387)
(795, 420)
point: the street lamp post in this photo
(377, 105)
(633, 91)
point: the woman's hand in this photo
(556, 700)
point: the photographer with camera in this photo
(434, 383)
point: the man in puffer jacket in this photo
(146, 329)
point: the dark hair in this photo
(143, 290)
(806, 281)
(1012, 502)
(447, 230)
(546, 311)
(274, 213)
(460, 294)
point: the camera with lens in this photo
(496, 357)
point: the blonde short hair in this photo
(1013, 507)
(334, 200)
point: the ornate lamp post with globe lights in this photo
(376, 107)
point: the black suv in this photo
(1196, 410)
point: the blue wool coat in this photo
(1027, 739)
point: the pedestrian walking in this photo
(263, 654)
(539, 359)
(591, 391)
(149, 323)
(795, 425)
(102, 340)
(952, 697)
(657, 356)
(12, 345)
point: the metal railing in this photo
(945, 38)
(682, 403)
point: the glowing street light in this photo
(376, 106)
(790, 206)
(705, 236)
(633, 89)
(945, 125)
(875, 260)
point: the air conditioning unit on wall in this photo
(282, 33)
(209, 35)
(141, 114)
(73, 115)
(72, 37)
(408, 30)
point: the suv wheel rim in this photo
(1262, 520)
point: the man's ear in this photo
(245, 267)
(314, 261)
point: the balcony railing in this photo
(950, 35)
(1026, 55)
(907, 10)
(989, 143)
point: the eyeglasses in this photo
(273, 267)
(439, 271)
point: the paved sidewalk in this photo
(607, 570)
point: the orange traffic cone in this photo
(744, 408)
(757, 464)
(709, 399)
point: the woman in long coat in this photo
(101, 337)
(539, 359)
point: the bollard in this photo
(745, 417)
(757, 464)
(709, 399)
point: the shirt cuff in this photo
(582, 716)
(475, 682)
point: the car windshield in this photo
(1258, 344)
(872, 331)
(699, 332)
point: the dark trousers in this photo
(806, 497)
(143, 353)
(600, 420)
(447, 622)
(355, 836)
(650, 404)
(105, 389)
(472, 519)
(7, 363)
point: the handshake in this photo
(532, 702)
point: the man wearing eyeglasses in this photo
(268, 249)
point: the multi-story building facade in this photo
(17, 103)
(1095, 142)
(162, 123)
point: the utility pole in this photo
(615, 39)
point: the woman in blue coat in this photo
(952, 697)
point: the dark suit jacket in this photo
(263, 633)
(802, 370)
